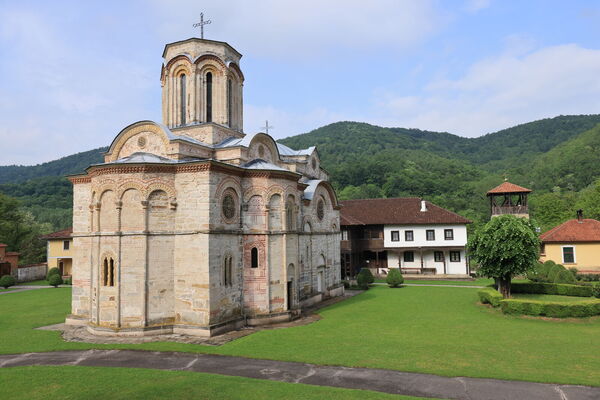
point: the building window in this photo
(228, 271)
(449, 234)
(254, 258)
(409, 256)
(438, 256)
(320, 209)
(209, 97)
(182, 98)
(409, 236)
(229, 103)
(395, 236)
(542, 249)
(108, 272)
(430, 234)
(66, 245)
(455, 256)
(228, 206)
(344, 235)
(568, 255)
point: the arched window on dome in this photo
(209, 97)
(182, 99)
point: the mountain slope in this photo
(73, 164)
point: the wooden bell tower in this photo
(508, 198)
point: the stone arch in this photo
(108, 211)
(254, 216)
(322, 261)
(208, 58)
(160, 215)
(160, 144)
(108, 269)
(181, 58)
(291, 213)
(128, 185)
(132, 211)
(275, 205)
(306, 225)
(262, 139)
(236, 70)
(160, 185)
(255, 191)
(227, 272)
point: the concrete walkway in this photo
(24, 288)
(380, 380)
(432, 285)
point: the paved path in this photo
(24, 288)
(381, 380)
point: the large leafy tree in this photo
(504, 247)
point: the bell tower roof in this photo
(196, 47)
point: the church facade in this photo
(192, 226)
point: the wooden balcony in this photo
(370, 244)
(501, 210)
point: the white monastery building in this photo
(191, 226)
(407, 233)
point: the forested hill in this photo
(558, 157)
(72, 164)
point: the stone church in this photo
(192, 226)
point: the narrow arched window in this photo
(209, 97)
(112, 273)
(105, 273)
(227, 271)
(229, 103)
(182, 99)
(254, 257)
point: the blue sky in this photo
(74, 73)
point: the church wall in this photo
(225, 300)
(81, 291)
(132, 271)
(256, 280)
(160, 279)
(148, 142)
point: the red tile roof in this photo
(507, 187)
(64, 234)
(398, 211)
(3, 245)
(588, 230)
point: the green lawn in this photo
(7, 290)
(549, 297)
(476, 282)
(34, 283)
(31, 383)
(439, 330)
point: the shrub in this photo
(589, 277)
(573, 270)
(584, 308)
(554, 271)
(69, 281)
(55, 280)
(364, 278)
(52, 271)
(490, 296)
(538, 273)
(564, 277)
(7, 281)
(596, 291)
(552, 288)
(394, 278)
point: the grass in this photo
(434, 330)
(475, 282)
(32, 383)
(34, 283)
(7, 290)
(549, 297)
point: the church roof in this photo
(309, 192)
(195, 39)
(507, 187)
(396, 211)
(286, 151)
(262, 164)
(574, 230)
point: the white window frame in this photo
(562, 254)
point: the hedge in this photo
(552, 288)
(490, 296)
(584, 308)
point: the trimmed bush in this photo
(69, 281)
(596, 290)
(584, 308)
(55, 280)
(364, 278)
(554, 271)
(490, 296)
(564, 277)
(538, 273)
(573, 270)
(552, 288)
(52, 271)
(588, 277)
(394, 278)
(7, 281)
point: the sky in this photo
(74, 73)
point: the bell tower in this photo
(508, 198)
(202, 85)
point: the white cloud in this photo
(473, 6)
(502, 91)
(300, 29)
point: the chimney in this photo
(580, 216)
(423, 206)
